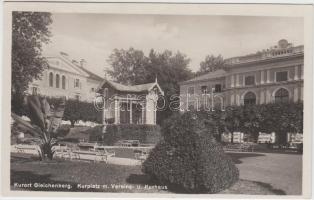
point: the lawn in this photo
(100, 177)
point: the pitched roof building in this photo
(67, 78)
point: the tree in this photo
(29, 31)
(282, 118)
(170, 69)
(45, 121)
(128, 66)
(211, 63)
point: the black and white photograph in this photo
(165, 104)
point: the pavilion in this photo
(129, 104)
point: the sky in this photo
(94, 36)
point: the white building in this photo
(66, 77)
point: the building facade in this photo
(68, 78)
(272, 75)
(129, 104)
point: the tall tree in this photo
(128, 66)
(29, 31)
(211, 63)
(170, 69)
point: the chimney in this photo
(64, 54)
(75, 62)
(82, 63)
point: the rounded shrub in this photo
(188, 159)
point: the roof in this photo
(130, 88)
(215, 74)
(65, 57)
(91, 74)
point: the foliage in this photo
(280, 118)
(115, 132)
(210, 64)
(76, 110)
(189, 159)
(133, 67)
(45, 121)
(128, 66)
(29, 31)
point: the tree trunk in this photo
(72, 123)
(46, 151)
(281, 138)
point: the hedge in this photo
(115, 132)
(76, 110)
(188, 159)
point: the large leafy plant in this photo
(45, 121)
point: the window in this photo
(191, 90)
(76, 83)
(281, 76)
(249, 98)
(51, 79)
(281, 96)
(204, 89)
(249, 80)
(34, 90)
(218, 88)
(63, 82)
(57, 81)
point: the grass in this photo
(110, 178)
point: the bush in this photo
(189, 159)
(115, 132)
(63, 130)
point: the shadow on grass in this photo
(269, 187)
(236, 157)
(20, 158)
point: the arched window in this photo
(63, 82)
(249, 98)
(51, 79)
(281, 96)
(57, 81)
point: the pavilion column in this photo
(131, 112)
(143, 114)
(155, 113)
(116, 111)
(104, 123)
